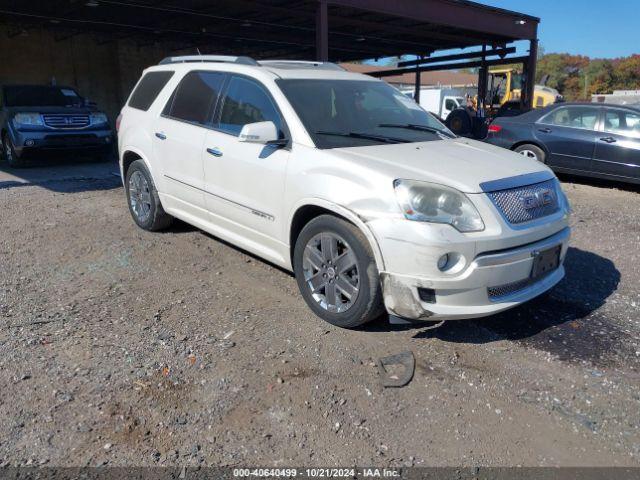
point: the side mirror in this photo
(259, 132)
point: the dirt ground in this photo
(122, 347)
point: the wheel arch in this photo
(308, 209)
(536, 143)
(130, 155)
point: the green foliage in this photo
(578, 77)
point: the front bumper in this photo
(26, 142)
(493, 282)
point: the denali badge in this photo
(541, 198)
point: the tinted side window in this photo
(622, 122)
(246, 102)
(195, 97)
(148, 89)
(576, 117)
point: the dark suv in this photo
(37, 118)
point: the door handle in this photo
(608, 140)
(216, 152)
(161, 136)
(544, 130)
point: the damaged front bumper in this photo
(491, 283)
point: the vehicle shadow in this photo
(564, 322)
(71, 173)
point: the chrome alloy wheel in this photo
(529, 154)
(331, 272)
(140, 196)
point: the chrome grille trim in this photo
(66, 120)
(511, 203)
(501, 292)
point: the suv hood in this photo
(459, 163)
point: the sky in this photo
(596, 28)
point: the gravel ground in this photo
(122, 347)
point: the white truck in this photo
(441, 101)
(618, 97)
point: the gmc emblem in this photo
(541, 198)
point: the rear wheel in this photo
(531, 151)
(336, 272)
(143, 199)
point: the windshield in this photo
(352, 113)
(41, 96)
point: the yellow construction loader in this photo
(505, 85)
(504, 90)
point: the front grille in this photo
(523, 204)
(66, 121)
(503, 291)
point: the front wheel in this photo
(10, 154)
(336, 272)
(531, 151)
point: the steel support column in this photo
(483, 79)
(416, 93)
(322, 32)
(530, 75)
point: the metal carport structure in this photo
(334, 30)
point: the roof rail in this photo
(209, 58)
(300, 64)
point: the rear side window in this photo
(195, 97)
(148, 89)
(573, 116)
(246, 102)
(622, 122)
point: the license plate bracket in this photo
(545, 261)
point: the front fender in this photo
(346, 213)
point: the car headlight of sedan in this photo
(28, 118)
(429, 202)
(98, 118)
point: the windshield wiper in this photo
(366, 136)
(415, 126)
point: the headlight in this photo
(28, 119)
(98, 118)
(429, 202)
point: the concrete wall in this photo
(102, 72)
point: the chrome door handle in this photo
(216, 152)
(608, 140)
(161, 136)
(544, 130)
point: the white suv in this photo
(342, 179)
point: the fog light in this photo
(443, 261)
(427, 295)
(29, 142)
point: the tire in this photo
(531, 151)
(322, 267)
(10, 154)
(460, 122)
(143, 200)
